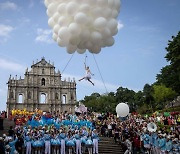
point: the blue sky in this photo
(134, 60)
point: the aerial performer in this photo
(87, 75)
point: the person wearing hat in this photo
(169, 145)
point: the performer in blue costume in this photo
(162, 144)
(95, 141)
(62, 137)
(89, 144)
(78, 143)
(169, 145)
(47, 143)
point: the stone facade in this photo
(41, 88)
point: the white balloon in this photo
(107, 13)
(74, 28)
(64, 33)
(85, 35)
(80, 18)
(84, 8)
(55, 36)
(112, 24)
(74, 40)
(110, 3)
(63, 21)
(61, 43)
(61, 8)
(52, 8)
(71, 8)
(56, 28)
(102, 3)
(114, 31)
(96, 37)
(122, 109)
(109, 41)
(105, 32)
(71, 48)
(114, 13)
(56, 17)
(100, 23)
(51, 22)
(83, 24)
(81, 51)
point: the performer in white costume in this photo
(87, 75)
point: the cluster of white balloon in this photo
(122, 109)
(83, 24)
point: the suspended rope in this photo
(68, 62)
(100, 73)
(86, 59)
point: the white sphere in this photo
(114, 31)
(61, 42)
(114, 13)
(109, 41)
(81, 51)
(63, 21)
(97, 12)
(51, 22)
(64, 33)
(71, 8)
(117, 4)
(85, 34)
(107, 13)
(71, 48)
(74, 29)
(100, 23)
(110, 3)
(105, 32)
(80, 18)
(56, 17)
(74, 40)
(61, 8)
(112, 24)
(96, 37)
(56, 28)
(102, 3)
(84, 8)
(52, 8)
(122, 109)
(55, 37)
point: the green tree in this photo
(161, 94)
(170, 74)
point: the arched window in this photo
(63, 99)
(20, 98)
(43, 82)
(43, 98)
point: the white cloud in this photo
(8, 6)
(5, 30)
(120, 25)
(12, 66)
(44, 35)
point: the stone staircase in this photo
(108, 146)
